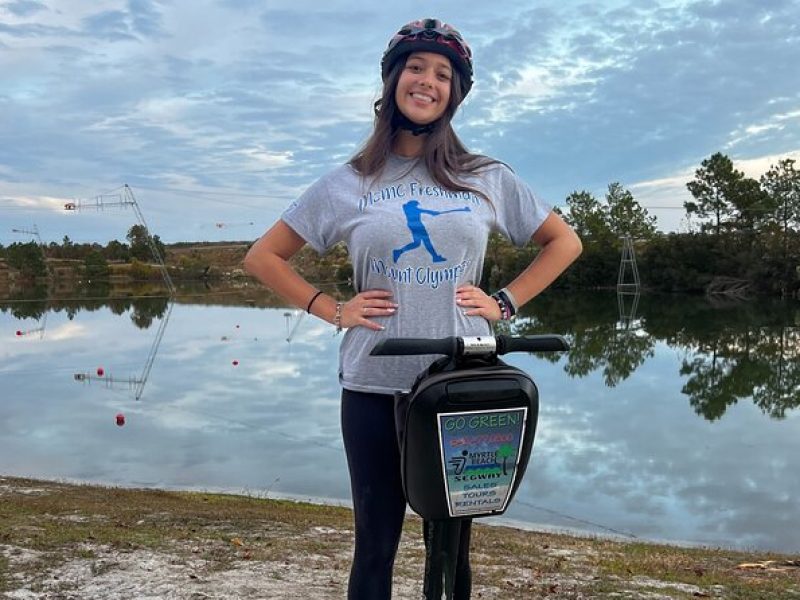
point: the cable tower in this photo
(628, 263)
(34, 231)
(126, 199)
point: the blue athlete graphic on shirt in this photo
(419, 234)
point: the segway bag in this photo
(466, 431)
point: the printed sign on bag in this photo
(480, 451)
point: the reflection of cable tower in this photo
(291, 330)
(628, 285)
(628, 303)
(34, 231)
(135, 383)
(126, 199)
(40, 329)
(153, 350)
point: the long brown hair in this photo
(444, 155)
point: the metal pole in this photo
(442, 539)
(152, 354)
(156, 255)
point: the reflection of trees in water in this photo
(28, 304)
(143, 310)
(733, 351)
(617, 353)
(780, 390)
(596, 340)
(759, 363)
(147, 309)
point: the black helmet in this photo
(430, 35)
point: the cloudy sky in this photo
(218, 113)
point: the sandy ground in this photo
(296, 557)
(115, 575)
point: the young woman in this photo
(415, 210)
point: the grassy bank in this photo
(79, 541)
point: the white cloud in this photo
(168, 113)
(757, 166)
(32, 332)
(269, 371)
(67, 331)
(774, 123)
(48, 203)
(252, 96)
(664, 197)
(260, 158)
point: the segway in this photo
(465, 432)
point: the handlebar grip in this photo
(410, 346)
(531, 343)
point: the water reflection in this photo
(142, 316)
(732, 351)
(228, 405)
(144, 309)
(620, 447)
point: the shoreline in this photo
(601, 532)
(66, 540)
(501, 521)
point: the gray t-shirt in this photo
(406, 234)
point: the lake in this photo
(672, 418)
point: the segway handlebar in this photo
(470, 346)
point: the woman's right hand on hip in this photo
(363, 307)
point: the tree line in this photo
(745, 230)
(29, 259)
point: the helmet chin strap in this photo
(403, 122)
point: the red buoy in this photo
(19, 332)
(100, 371)
(120, 419)
(236, 362)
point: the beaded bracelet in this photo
(510, 300)
(502, 306)
(507, 310)
(337, 318)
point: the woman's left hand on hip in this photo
(477, 302)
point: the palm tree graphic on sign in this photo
(505, 452)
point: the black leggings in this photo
(379, 505)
